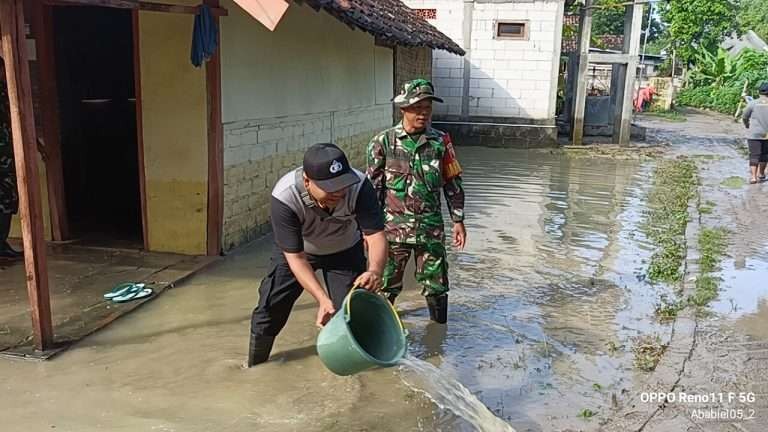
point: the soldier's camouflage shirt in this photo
(9, 197)
(408, 174)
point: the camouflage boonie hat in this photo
(415, 91)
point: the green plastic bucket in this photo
(364, 334)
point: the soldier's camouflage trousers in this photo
(431, 267)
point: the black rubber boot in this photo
(6, 251)
(259, 349)
(392, 297)
(438, 308)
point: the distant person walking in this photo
(756, 121)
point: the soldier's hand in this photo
(370, 281)
(324, 312)
(459, 235)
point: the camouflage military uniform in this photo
(408, 173)
(9, 197)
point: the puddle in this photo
(743, 296)
(450, 396)
(550, 282)
(743, 288)
(544, 304)
(733, 182)
(743, 292)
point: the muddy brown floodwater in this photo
(550, 292)
(545, 301)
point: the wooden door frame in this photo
(49, 102)
(13, 42)
(215, 138)
(43, 32)
(215, 219)
(140, 127)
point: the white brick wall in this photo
(258, 152)
(522, 67)
(522, 71)
(447, 68)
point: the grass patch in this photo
(668, 115)
(648, 351)
(712, 247)
(708, 157)
(706, 291)
(665, 263)
(613, 151)
(587, 413)
(674, 184)
(712, 244)
(707, 207)
(667, 309)
(733, 182)
(743, 149)
(613, 347)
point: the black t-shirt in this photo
(287, 226)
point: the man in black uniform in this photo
(321, 213)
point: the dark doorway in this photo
(97, 105)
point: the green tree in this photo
(697, 24)
(657, 46)
(753, 15)
(609, 20)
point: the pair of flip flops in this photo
(128, 291)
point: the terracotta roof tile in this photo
(388, 20)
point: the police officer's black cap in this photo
(763, 90)
(327, 166)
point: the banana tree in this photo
(714, 69)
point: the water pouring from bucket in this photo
(365, 333)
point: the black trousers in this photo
(5, 226)
(280, 289)
(758, 151)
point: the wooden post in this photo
(570, 86)
(42, 27)
(215, 148)
(633, 23)
(618, 87)
(673, 89)
(25, 151)
(137, 94)
(580, 97)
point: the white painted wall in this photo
(509, 78)
(312, 80)
(447, 68)
(311, 63)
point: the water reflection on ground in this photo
(548, 294)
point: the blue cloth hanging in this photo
(205, 36)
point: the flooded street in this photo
(545, 302)
(549, 293)
(726, 346)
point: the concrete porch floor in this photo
(78, 277)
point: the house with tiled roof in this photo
(285, 75)
(164, 125)
(503, 91)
